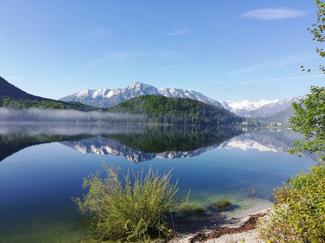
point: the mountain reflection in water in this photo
(168, 143)
(142, 143)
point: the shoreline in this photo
(244, 230)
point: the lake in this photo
(42, 167)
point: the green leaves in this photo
(299, 211)
(309, 120)
(318, 28)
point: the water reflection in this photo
(159, 143)
(135, 143)
(141, 143)
(37, 183)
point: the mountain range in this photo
(261, 108)
(266, 110)
(106, 98)
(132, 104)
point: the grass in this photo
(131, 208)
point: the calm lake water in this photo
(42, 167)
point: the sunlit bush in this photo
(299, 211)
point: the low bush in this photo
(222, 204)
(299, 211)
(131, 209)
(186, 209)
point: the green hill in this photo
(176, 110)
(42, 104)
(13, 97)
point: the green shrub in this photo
(130, 209)
(187, 208)
(299, 211)
(222, 204)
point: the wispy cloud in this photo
(166, 68)
(13, 78)
(267, 80)
(249, 69)
(102, 32)
(289, 60)
(127, 55)
(178, 32)
(113, 57)
(273, 13)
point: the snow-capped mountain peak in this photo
(274, 110)
(248, 105)
(110, 97)
(83, 93)
(138, 85)
(261, 108)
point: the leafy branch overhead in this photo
(309, 120)
(317, 30)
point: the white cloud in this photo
(113, 57)
(166, 68)
(178, 32)
(273, 13)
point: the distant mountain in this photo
(246, 106)
(176, 110)
(265, 110)
(106, 98)
(11, 91)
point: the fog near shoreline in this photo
(66, 129)
(32, 114)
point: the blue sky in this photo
(228, 50)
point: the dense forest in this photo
(42, 104)
(162, 109)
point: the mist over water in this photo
(7, 114)
(65, 128)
